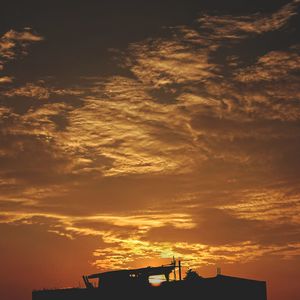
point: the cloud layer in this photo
(193, 153)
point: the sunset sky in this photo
(135, 131)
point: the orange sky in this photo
(130, 134)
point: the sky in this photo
(135, 131)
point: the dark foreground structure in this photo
(134, 284)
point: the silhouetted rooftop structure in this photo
(131, 277)
(134, 284)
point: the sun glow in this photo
(156, 280)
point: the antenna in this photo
(218, 271)
(174, 264)
(173, 261)
(179, 267)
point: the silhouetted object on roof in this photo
(134, 284)
(133, 277)
(192, 275)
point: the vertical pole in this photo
(179, 267)
(174, 265)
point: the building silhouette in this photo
(134, 284)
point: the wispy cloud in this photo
(29, 90)
(237, 27)
(6, 79)
(14, 44)
(275, 65)
(23, 36)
